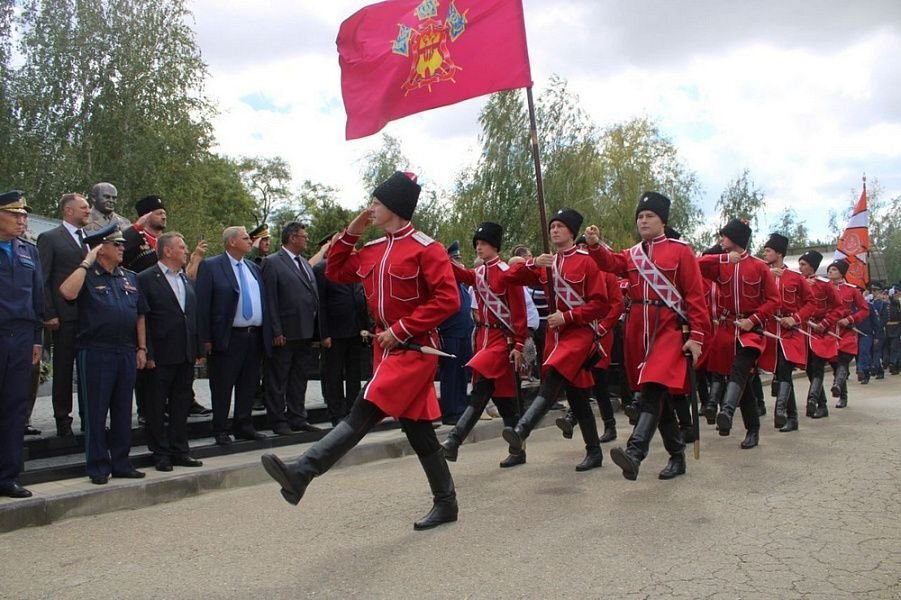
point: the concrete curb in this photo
(56, 501)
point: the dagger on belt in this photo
(414, 346)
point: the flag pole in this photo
(539, 186)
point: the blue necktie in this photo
(246, 304)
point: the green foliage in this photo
(794, 229)
(268, 181)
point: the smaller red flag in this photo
(854, 243)
(402, 57)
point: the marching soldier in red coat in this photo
(500, 332)
(854, 310)
(572, 346)
(665, 292)
(410, 290)
(747, 298)
(821, 342)
(600, 389)
(788, 349)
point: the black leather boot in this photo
(791, 409)
(633, 408)
(516, 436)
(841, 379)
(444, 507)
(717, 387)
(675, 466)
(593, 455)
(821, 410)
(462, 429)
(731, 398)
(629, 458)
(781, 416)
(813, 395)
(675, 445)
(843, 397)
(791, 424)
(295, 476)
(752, 438)
(774, 387)
(761, 407)
(566, 424)
(609, 431)
(514, 458)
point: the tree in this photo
(268, 181)
(740, 200)
(794, 229)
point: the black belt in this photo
(488, 325)
(250, 329)
(726, 313)
(651, 302)
(783, 315)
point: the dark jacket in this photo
(292, 300)
(342, 306)
(60, 256)
(217, 300)
(171, 332)
(137, 255)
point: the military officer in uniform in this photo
(261, 239)
(140, 238)
(821, 346)
(410, 290)
(500, 332)
(665, 292)
(112, 346)
(21, 316)
(854, 309)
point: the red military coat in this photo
(745, 290)
(826, 308)
(653, 339)
(849, 297)
(568, 347)
(493, 337)
(795, 302)
(608, 323)
(410, 290)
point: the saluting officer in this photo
(111, 346)
(410, 290)
(21, 315)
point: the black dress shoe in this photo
(29, 430)
(223, 439)
(674, 467)
(164, 464)
(64, 430)
(186, 461)
(100, 479)
(14, 490)
(198, 409)
(304, 427)
(249, 434)
(133, 474)
(281, 429)
(752, 438)
(514, 459)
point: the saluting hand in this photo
(592, 235)
(360, 222)
(91, 257)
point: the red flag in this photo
(854, 244)
(402, 57)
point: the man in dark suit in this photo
(61, 250)
(292, 303)
(232, 328)
(344, 315)
(171, 350)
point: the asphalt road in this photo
(813, 514)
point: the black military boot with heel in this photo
(444, 496)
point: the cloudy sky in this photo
(801, 92)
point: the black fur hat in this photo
(399, 193)
(777, 242)
(656, 203)
(738, 231)
(841, 265)
(812, 258)
(489, 232)
(569, 217)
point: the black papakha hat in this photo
(777, 242)
(399, 193)
(108, 233)
(489, 232)
(148, 204)
(569, 217)
(812, 258)
(841, 265)
(738, 231)
(656, 203)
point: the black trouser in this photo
(539, 336)
(142, 391)
(661, 416)
(63, 368)
(236, 369)
(742, 367)
(341, 374)
(287, 382)
(843, 360)
(169, 396)
(364, 415)
(602, 395)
